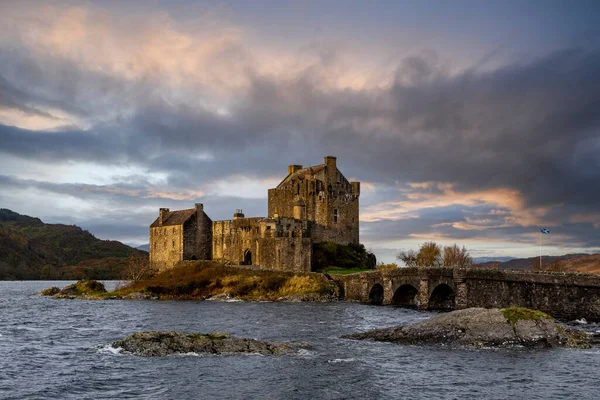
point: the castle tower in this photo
(330, 201)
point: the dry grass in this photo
(191, 280)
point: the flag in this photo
(545, 231)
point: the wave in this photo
(341, 360)
(109, 349)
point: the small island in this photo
(160, 344)
(482, 328)
(201, 280)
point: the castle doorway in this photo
(247, 257)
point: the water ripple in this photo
(61, 349)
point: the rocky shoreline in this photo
(94, 290)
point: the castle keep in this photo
(310, 205)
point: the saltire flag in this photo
(545, 231)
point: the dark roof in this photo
(300, 174)
(172, 218)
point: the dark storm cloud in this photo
(533, 126)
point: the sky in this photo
(467, 122)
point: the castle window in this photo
(165, 244)
(173, 244)
(335, 215)
(298, 189)
(154, 245)
(173, 230)
(268, 228)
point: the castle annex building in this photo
(310, 205)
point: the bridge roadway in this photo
(562, 295)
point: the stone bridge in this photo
(562, 295)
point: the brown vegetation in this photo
(583, 264)
(138, 268)
(202, 279)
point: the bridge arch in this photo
(442, 298)
(406, 295)
(376, 294)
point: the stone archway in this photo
(376, 295)
(442, 298)
(406, 296)
(247, 257)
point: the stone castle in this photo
(310, 205)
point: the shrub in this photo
(384, 267)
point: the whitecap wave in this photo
(109, 349)
(582, 321)
(341, 360)
(306, 353)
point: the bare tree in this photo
(454, 256)
(138, 268)
(409, 258)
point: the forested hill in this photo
(31, 249)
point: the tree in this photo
(429, 255)
(138, 268)
(454, 256)
(409, 258)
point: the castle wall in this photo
(166, 246)
(285, 253)
(233, 238)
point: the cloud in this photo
(470, 152)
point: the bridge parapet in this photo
(563, 295)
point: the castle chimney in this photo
(238, 214)
(293, 168)
(162, 215)
(199, 207)
(330, 161)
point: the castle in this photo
(310, 205)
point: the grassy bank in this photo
(203, 279)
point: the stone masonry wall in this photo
(166, 246)
(567, 296)
(285, 254)
(232, 238)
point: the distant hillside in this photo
(579, 262)
(588, 263)
(31, 249)
(144, 247)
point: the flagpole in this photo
(540, 249)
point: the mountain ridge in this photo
(32, 249)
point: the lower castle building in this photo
(310, 205)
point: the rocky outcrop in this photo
(160, 344)
(479, 327)
(80, 289)
(51, 291)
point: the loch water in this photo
(60, 349)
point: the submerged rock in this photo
(160, 344)
(479, 327)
